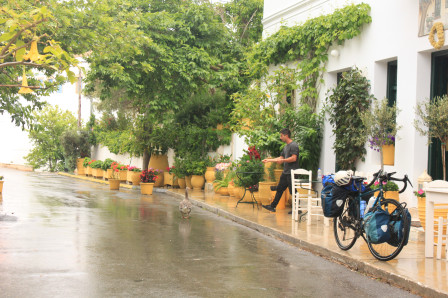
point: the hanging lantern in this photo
(24, 89)
(33, 54)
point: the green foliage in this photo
(380, 125)
(75, 145)
(432, 119)
(107, 164)
(389, 186)
(86, 161)
(97, 164)
(21, 24)
(259, 104)
(309, 43)
(249, 171)
(51, 123)
(345, 105)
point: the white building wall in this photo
(392, 35)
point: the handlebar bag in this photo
(333, 198)
(376, 226)
(396, 226)
(328, 179)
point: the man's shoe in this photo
(299, 212)
(269, 207)
(274, 187)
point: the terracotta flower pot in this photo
(114, 184)
(264, 189)
(168, 179)
(210, 174)
(1, 186)
(231, 189)
(108, 174)
(182, 183)
(146, 188)
(188, 181)
(224, 191)
(389, 155)
(197, 181)
(123, 174)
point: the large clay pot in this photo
(99, 173)
(168, 179)
(181, 182)
(224, 191)
(278, 173)
(231, 189)
(188, 181)
(146, 188)
(389, 155)
(197, 181)
(264, 189)
(114, 184)
(239, 192)
(210, 174)
(80, 167)
(158, 162)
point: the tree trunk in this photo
(381, 157)
(443, 158)
(146, 158)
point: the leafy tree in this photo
(51, 123)
(345, 104)
(432, 119)
(75, 144)
(28, 50)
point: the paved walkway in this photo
(410, 270)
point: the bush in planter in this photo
(389, 186)
(86, 162)
(198, 167)
(134, 169)
(96, 164)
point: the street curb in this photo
(353, 264)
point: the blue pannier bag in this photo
(327, 179)
(333, 198)
(396, 225)
(376, 226)
(353, 186)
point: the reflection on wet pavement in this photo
(79, 239)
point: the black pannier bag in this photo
(333, 199)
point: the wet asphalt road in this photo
(62, 237)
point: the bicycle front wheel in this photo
(344, 227)
(388, 250)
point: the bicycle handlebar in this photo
(384, 177)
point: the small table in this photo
(253, 201)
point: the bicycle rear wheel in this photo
(344, 227)
(390, 249)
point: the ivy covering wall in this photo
(308, 44)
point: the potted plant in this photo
(147, 180)
(107, 168)
(96, 168)
(221, 184)
(432, 122)
(133, 175)
(198, 168)
(250, 170)
(86, 165)
(168, 176)
(179, 172)
(1, 184)
(390, 190)
(381, 128)
(114, 180)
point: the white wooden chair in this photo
(442, 238)
(302, 179)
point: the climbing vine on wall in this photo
(309, 43)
